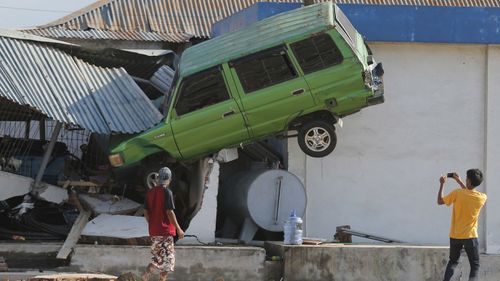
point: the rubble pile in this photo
(29, 218)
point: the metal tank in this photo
(263, 198)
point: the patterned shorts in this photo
(162, 249)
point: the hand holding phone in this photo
(451, 175)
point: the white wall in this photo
(383, 176)
(493, 152)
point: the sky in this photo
(16, 14)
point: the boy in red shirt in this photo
(163, 226)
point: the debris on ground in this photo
(344, 235)
(109, 204)
(30, 218)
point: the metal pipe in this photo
(47, 154)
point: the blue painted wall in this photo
(387, 23)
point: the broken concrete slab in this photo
(15, 185)
(117, 226)
(109, 204)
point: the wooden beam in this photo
(73, 235)
(74, 277)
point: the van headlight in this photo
(116, 160)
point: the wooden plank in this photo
(74, 277)
(306, 241)
(73, 235)
(79, 184)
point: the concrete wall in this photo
(192, 263)
(440, 115)
(383, 263)
(203, 224)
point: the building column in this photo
(492, 151)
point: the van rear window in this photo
(264, 69)
(316, 53)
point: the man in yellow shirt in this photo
(467, 204)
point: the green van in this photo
(302, 70)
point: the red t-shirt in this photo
(158, 201)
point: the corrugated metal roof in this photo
(260, 35)
(162, 79)
(72, 91)
(173, 20)
(96, 34)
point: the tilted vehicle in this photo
(301, 70)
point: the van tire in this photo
(149, 173)
(317, 138)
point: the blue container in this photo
(293, 230)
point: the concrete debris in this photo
(117, 226)
(109, 204)
(16, 185)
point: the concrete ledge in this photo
(192, 263)
(377, 263)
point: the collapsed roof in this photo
(74, 85)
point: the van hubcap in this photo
(317, 139)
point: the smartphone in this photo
(451, 175)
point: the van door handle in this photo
(297, 92)
(229, 113)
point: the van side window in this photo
(316, 53)
(264, 69)
(201, 90)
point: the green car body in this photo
(270, 77)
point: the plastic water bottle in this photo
(293, 230)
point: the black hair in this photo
(475, 176)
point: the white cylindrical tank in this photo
(265, 196)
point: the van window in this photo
(316, 53)
(264, 69)
(201, 90)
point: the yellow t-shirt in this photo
(467, 205)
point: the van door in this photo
(271, 90)
(329, 72)
(206, 118)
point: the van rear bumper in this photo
(376, 100)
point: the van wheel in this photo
(317, 138)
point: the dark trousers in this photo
(472, 249)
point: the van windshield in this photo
(169, 95)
